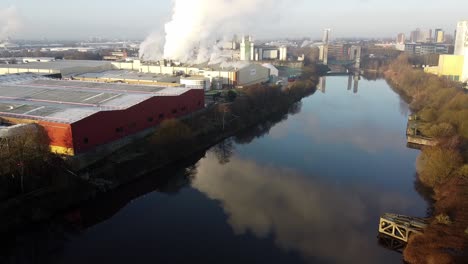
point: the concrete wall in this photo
(421, 141)
(7, 70)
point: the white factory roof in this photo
(63, 67)
(30, 96)
(129, 75)
(58, 64)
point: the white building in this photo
(7, 45)
(196, 82)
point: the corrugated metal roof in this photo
(58, 64)
(30, 96)
(129, 75)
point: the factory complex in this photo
(80, 116)
(166, 73)
(83, 105)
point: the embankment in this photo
(443, 106)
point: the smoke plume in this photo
(9, 22)
(197, 27)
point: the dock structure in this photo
(401, 227)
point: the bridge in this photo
(401, 227)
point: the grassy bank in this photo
(442, 107)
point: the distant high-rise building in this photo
(326, 36)
(439, 36)
(415, 35)
(323, 54)
(401, 38)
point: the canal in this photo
(308, 188)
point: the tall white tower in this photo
(247, 49)
(283, 51)
(461, 46)
(461, 41)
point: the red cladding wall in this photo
(108, 126)
(60, 134)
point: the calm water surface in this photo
(310, 190)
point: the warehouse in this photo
(59, 68)
(80, 116)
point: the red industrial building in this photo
(79, 116)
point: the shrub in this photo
(231, 95)
(443, 219)
(428, 115)
(442, 130)
(463, 171)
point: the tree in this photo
(24, 153)
(172, 131)
(436, 165)
(231, 95)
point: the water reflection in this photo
(322, 85)
(320, 220)
(353, 83)
(46, 242)
(356, 78)
(247, 205)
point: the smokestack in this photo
(196, 25)
(9, 22)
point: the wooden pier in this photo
(401, 227)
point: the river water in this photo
(307, 189)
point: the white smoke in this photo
(196, 27)
(9, 22)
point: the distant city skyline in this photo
(77, 20)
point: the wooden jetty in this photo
(400, 226)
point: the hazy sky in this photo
(78, 19)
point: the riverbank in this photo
(444, 168)
(174, 141)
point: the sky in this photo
(82, 19)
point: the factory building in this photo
(239, 75)
(134, 72)
(80, 116)
(454, 67)
(196, 82)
